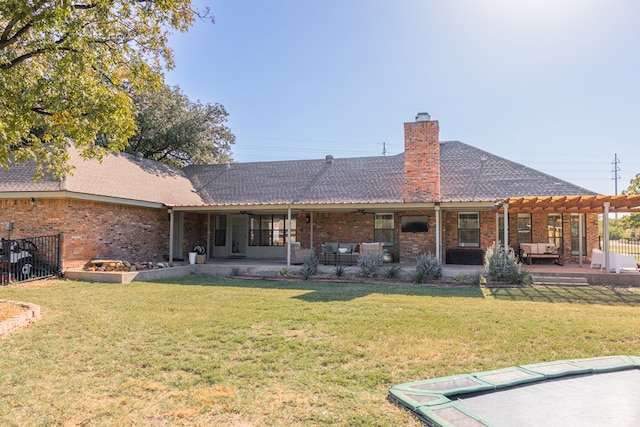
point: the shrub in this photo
(284, 272)
(461, 278)
(503, 267)
(392, 272)
(339, 270)
(369, 264)
(428, 267)
(478, 279)
(309, 265)
(235, 271)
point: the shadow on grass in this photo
(571, 294)
(326, 291)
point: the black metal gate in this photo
(29, 258)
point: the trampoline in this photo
(581, 392)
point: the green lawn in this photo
(210, 351)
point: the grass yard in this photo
(230, 352)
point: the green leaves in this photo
(177, 131)
(67, 71)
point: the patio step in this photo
(555, 280)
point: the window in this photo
(524, 228)
(469, 229)
(500, 229)
(383, 229)
(270, 230)
(554, 229)
(220, 230)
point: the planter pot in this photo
(200, 259)
(192, 257)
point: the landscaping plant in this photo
(428, 267)
(369, 264)
(503, 267)
(309, 265)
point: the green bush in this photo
(235, 271)
(309, 265)
(392, 272)
(284, 272)
(369, 264)
(478, 279)
(428, 267)
(339, 270)
(461, 278)
(503, 267)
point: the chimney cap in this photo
(423, 117)
(329, 158)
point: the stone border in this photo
(22, 319)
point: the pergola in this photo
(572, 204)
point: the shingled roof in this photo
(470, 174)
(330, 181)
(119, 176)
(467, 174)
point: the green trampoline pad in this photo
(582, 392)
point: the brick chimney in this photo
(421, 160)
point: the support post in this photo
(580, 238)
(605, 233)
(506, 228)
(289, 236)
(170, 236)
(438, 233)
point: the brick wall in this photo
(410, 245)
(195, 231)
(539, 223)
(335, 227)
(421, 162)
(91, 229)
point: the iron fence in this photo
(29, 258)
(624, 246)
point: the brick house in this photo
(447, 198)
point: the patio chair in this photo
(597, 258)
(371, 248)
(298, 253)
(327, 251)
(621, 263)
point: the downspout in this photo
(170, 236)
(438, 240)
(605, 232)
(289, 236)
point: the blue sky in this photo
(552, 84)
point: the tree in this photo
(634, 186)
(174, 130)
(67, 69)
(631, 223)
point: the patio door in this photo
(575, 235)
(239, 236)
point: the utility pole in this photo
(615, 170)
(616, 175)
